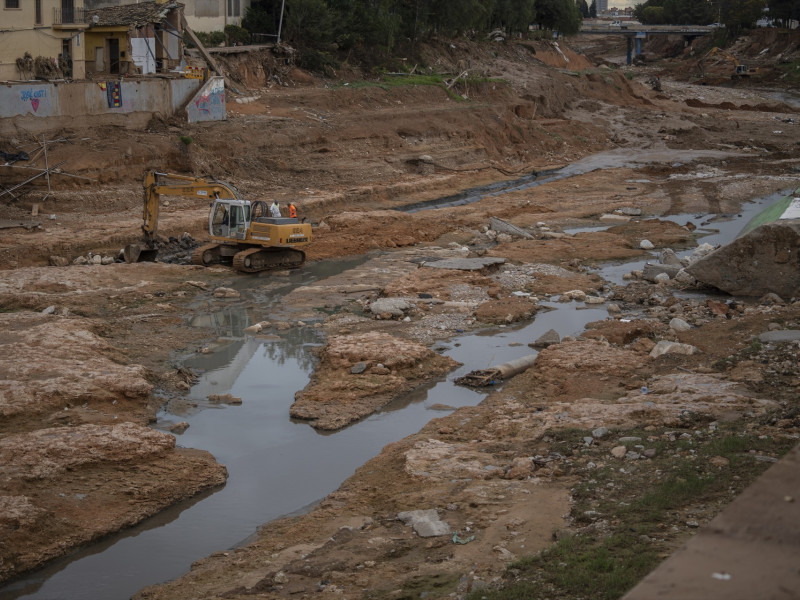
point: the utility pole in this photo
(280, 22)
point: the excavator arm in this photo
(157, 184)
(167, 184)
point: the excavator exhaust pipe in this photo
(134, 253)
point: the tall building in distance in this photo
(602, 6)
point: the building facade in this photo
(42, 38)
(201, 15)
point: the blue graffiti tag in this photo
(31, 94)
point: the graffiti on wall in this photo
(209, 104)
(35, 97)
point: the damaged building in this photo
(134, 39)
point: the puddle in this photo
(278, 467)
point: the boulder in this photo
(547, 339)
(393, 307)
(651, 271)
(426, 523)
(765, 260)
(667, 347)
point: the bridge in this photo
(635, 32)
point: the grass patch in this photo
(628, 514)
(790, 71)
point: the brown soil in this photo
(82, 375)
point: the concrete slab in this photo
(465, 264)
(782, 335)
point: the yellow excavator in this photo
(739, 70)
(243, 233)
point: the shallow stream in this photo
(278, 467)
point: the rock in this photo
(504, 238)
(613, 308)
(629, 439)
(667, 347)
(578, 295)
(649, 453)
(718, 308)
(223, 292)
(49, 310)
(547, 339)
(661, 278)
(765, 260)
(280, 578)
(58, 261)
(679, 325)
(426, 523)
(81, 260)
(359, 368)
(611, 218)
(224, 399)
(521, 468)
(253, 328)
(631, 455)
(619, 451)
(646, 245)
(600, 432)
(179, 427)
(504, 227)
(668, 257)
(701, 251)
(594, 300)
(719, 461)
(107, 260)
(391, 307)
(683, 277)
(770, 299)
(630, 211)
(651, 271)
(96, 260)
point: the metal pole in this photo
(280, 22)
(47, 168)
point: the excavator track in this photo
(254, 260)
(208, 254)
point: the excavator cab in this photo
(229, 219)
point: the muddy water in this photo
(613, 159)
(276, 466)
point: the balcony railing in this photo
(71, 16)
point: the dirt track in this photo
(82, 375)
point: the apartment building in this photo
(50, 29)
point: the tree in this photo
(559, 15)
(513, 15)
(584, 8)
(741, 14)
(784, 10)
(593, 9)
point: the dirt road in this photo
(88, 347)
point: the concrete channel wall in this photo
(39, 106)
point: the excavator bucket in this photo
(137, 253)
